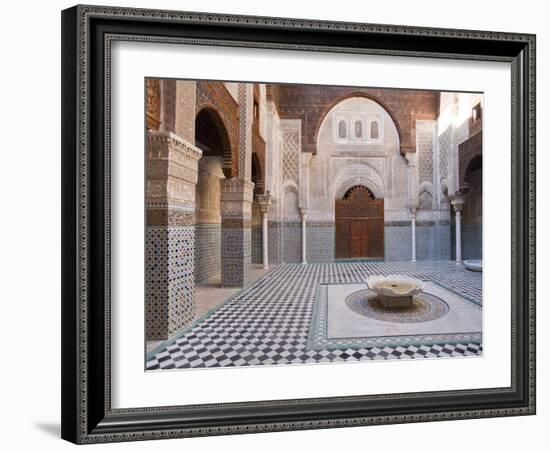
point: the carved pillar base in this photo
(236, 212)
(170, 235)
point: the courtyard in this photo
(283, 317)
(268, 206)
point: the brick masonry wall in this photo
(207, 251)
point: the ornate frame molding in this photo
(87, 34)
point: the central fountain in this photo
(395, 291)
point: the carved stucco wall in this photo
(290, 151)
(273, 184)
(287, 209)
(421, 180)
(291, 237)
(425, 132)
(342, 162)
(338, 165)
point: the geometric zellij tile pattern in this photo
(269, 321)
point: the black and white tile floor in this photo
(269, 322)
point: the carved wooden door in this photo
(359, 238)
(359, 225)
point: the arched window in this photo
(342, 129)
(374, 130)
(358, 129)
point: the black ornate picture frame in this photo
(87, 35)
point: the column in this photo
(265, 202)
(412, 180)
(303, 213)
(172, 165)
(413, 232)
(236, 212)
(458, 204)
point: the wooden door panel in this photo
(342, 238)
(359, 226)
(356, 239)
(359, 231)
(364, 238)
(376, 238)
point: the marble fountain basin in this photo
(474, 264)
(395, 291)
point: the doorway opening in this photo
(359, 218)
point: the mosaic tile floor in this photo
(269, 322)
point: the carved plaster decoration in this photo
(345, 172)
(172, 168)
(290, 158)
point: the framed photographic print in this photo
(282, 224)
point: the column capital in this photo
(457, 201)
(264, 200)
(165, 144)
(303, 212)
(172, 169)
(237, 185)
(237, 189)
(236, 197)
(413, 211)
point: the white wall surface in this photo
(30, 237)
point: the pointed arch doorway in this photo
(359, 218)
